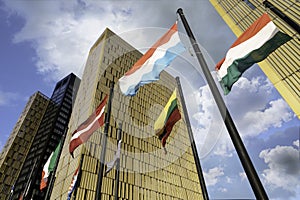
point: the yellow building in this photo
(282, 67)
(146, 171)
(19, 142)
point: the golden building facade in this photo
(282, 67)
(146, 172)
(19, 142)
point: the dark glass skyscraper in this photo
(53, 126)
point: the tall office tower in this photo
(146, 172)
(17, 146)
(282, 66)
(51, 130)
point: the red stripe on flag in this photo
(86, 134)
(164, 39)
(250, 32)
(174, 117)
(43, 181)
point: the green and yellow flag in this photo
(167, 119)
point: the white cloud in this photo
(262, 112)
(296, 143)
(228, 179)
(8, 98)
(273, 115)
(213, 175)
(243, 176)
(283, 168)
(209, 127)
(221, 189)
(252, 120)
(63, 32)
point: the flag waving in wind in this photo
(49, 166)
(167, 119)
(254, 45)
(112, 163)
(73, 183)
(87, 128)
(156, 59)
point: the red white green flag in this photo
(254, 45)
(49, 167)
(87, 128)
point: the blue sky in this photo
(43, 41)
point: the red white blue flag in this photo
(156, 59)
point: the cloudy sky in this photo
(43, 41)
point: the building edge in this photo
(265, 66)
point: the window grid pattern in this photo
(146, 172)
(282, 66)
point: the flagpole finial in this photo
(179, 11)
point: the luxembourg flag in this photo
(156, 59)
(254, 45)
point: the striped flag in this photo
(73, 183)
(167, 119)
(49, 166)
(156, 59)
(87, 128)
(254, 45)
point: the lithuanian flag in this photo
(167, 119)
(254, 45)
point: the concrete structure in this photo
(146, 171)
(37, 133)
(18, 144)
(53, 126)
(282, 67)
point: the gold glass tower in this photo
(282, 67)
(19, 142)
(146, 172)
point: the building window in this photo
(249, 4)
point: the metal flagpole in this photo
(11, 192)
(117, 176)
(253, 178)
(192, 140)
(103, 143)
(28, 184)
(52, 179)
(79, 177)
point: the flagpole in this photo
(117, 176)
(28, 183)
(253, 178)
(11, 192)
(52, 179)
(192, 140)
(79, 177)
(104, 142)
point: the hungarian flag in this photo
(156, 59)
(73, 183)
(254, 45)
(49, 166)
(167, 119)
(87, 128)
(112, 163)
